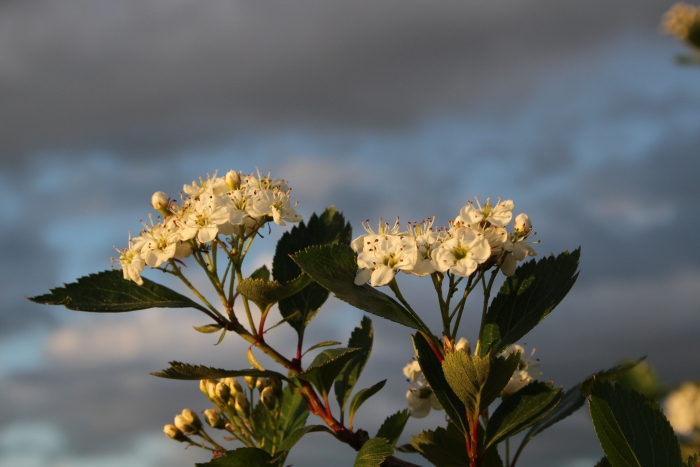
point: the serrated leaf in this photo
(443, 447)
(432, 370)
(326, 367)
(109, 292)
(186, 371)
(526, 298)
(574, 399)
(265, 293)
(241, 457)
(478, 381)
(491, 458)
(360, 397)
(407, 448)
(294, 437)
(208, 328)
(330, 227)
(521, 410)
(632, 429)
(361, 338)
(334, 267)
(373, 453)
(393, 426)
(293, 412)
(262, 273)
(322, 344)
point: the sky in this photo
(577, 111)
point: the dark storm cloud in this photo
(151, 77)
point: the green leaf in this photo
(491, 458)
(574, 398)
(330, 227)
(109, 292)
(241, 457)
(604, 462)
(478, 381)
(293, 412)
(373, 453)
(361, 338)
(326, 366)
(334, 267)
(443, 447)
(208, 328)
(526, 298)
(393, 426)
(361, 396)
(407, 448)
(262, 273)
(265, 293)
(322, 344)
(520, 411)
(294, 437)
(632, 429)
(186, 371)
(432, 370)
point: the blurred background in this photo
(575, 110)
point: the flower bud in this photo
(242, 405)
(268, 398)
(233, 180)
(463, 344)
(214, 419)
(522, 224)
(208, 387)
(188, 422)
(276, 384)
(160, 202)
(262, 383)
(233, 384)
(250, 381)
(223, 391)
(173, 432)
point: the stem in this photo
(487, 295)
(178, 273)
(460, 306)
(204, 435)
(246, 305)
(394, 286)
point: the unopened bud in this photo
(233, 180)
(276, 384)
(268, 397)
(262, 383)
(173, 432)
(160, 202)
(188, 422)
(223, 391)
(242, 405)
(233, 384)
(522, 224)
(214, 419)
(463, 344)
(208, 387)
(250, 381)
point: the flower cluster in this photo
(682, 21)
(477, 236)
(526, 372)
(233, 205)
(682, 408)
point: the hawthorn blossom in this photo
(462, 252)
(364, 242)
(159, 245)
(274, 203)
(498, 215)
(131, 261)
(526, 371)
(426, 241)
(386, 254)
(204, 221)
(213, 185)
(420, 395)
(517, 247)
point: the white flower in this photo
(364, 242)
(499, 215)
(682, 408)
(418, 406)
(412, 371)
(526, 372)
(426, 241)
(159, 200)
(131, 261)
(233, 179)
(522, 225)
(264, 183)
(517, 249)
(420, 395)
(213, 185)
(204, 220)
(159, 245)
(462, 252)
(274, 203)
(386, 255)
(496, 236)
(463, 344)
